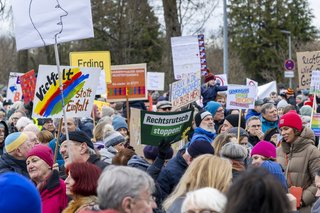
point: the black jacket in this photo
(10, 164)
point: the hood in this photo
(137, 161)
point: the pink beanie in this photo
(43, 152)
(265, 149)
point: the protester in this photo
(45, 137)
(98, 132)
(210, 89)
(221, 140)
(4, 131)
(269, 116)
(243, 136)
(204, 171)
(299, 158)
(32, 137)
(254, 128)
(256, 111)
(272, 135)
(47, 124)
(22, 122)
(123, 156)
(280, 107)
(52, 189)
(204, 127)
(232, 120)
(263, 151)
(81, 186)
(164, 106)
(276, 169)
(119, 124)
(217, 112)
(221, 99)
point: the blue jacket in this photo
(10, 164)
(201, 134)
(266, 125)
(52, 145)
(252, 112)
(171, 174)
(209, 93)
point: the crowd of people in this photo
(233, 161)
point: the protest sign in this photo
(14, 91)
(127, 79)
(28, 86)
(79, 87)
(155, 81)
(266, 89)
(307, 62)
(168, 126)
(185, 56)
(315, 82)
(222, 79)
(315, 124)
(250, 82)
(185, 91)
(39, 23)
(241, 97)
(100, 104)
(99, 59)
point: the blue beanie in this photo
(18, 194)
(275, 169)
(119, 122)
(212, 107)
(14, 140)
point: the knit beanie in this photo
(164, 104)
(291, 119)
(305, 110)
(212, 107)
(275, 169)
(107, 111)
(233, 119)
(290, 91)
(43, 152)
(265, 149)
(79, 136)
(209, 77)
(151, 152)
(234, 130)
(234, 151)
(282, 104)
(119, 122)
(200, 116)
(200, 148)
(113, 138)
(14, 140)
(18, 194)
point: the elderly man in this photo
(17, 145)
(269, 116)
(204, 127)
(126, 189)
(254, 128)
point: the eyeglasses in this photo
(255, 126)
(166, 109)
(150, 200)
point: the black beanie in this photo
(200, 148)
(200, 116)
(234, 120)
(78, 136)
(151, 152)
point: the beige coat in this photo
(81, 203)
(301, 160)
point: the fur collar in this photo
(81, 203)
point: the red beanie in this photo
(43, 152)
(265, 149)
(209, 77)
(291, 119)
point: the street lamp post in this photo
(289, 47)
(225, 38)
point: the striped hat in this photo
(114, 138)
(14, 140)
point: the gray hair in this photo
(23, 122)
(252, 118)
(234, 151)
(118, 182)
(267, 106)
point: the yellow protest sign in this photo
(100, 104)
(99, 59)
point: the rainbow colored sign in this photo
(79, 89)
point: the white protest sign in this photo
(241, 97)
(250, 82)
(185, 56)
(102, 86)
(222, 79)
(79, 89)
(315, 82)
(38, 22)
(266, 89)
(155, 81)
(14, 91)
(185, 91)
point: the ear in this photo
(83, 148)
(126, 204)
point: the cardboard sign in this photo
(14, 91)
(185, 91)
(155, 81)
(39, 22)
(315, 82)
(79, 87)
(168, 126)
(241, 97)
(99, 59)
(307, 62)
(185, 56)
(127, 80)
(28, 86)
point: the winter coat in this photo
(81, 203)
(95, 159)
(300, 161)
(6, 133)
(202, 134)
(266, 125)
(86, 125)
(316, 207)
(9, 164)
(52, 145)
(138, 162)
(253, 140)
(170, 175)
(176, 205)
(209, 93)
(252, 112)
(53, 194)
(107, 154)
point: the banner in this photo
(185, 55)
(14, 91)
(266, 89)
(315, 82)
(241, 97)
(79, 88)
(127, 79)
(99, 59)
(100, 104)
(39, 22)
(307, 62)
(222, 79)
(315, 125)
(28, 86)
(185, 91)
(168, 126)
(155, 81)
(250, 82)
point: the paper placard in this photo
(307, 62)
(14, 91)
(241, 97)
(155, 81)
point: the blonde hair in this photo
(204, 171)
(220, 141)
(98, 131)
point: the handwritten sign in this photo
(315, 82)
(307, 62)
(155, 81)
(241, 97)
(28, 86)
(79, 88)
(14, 91)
